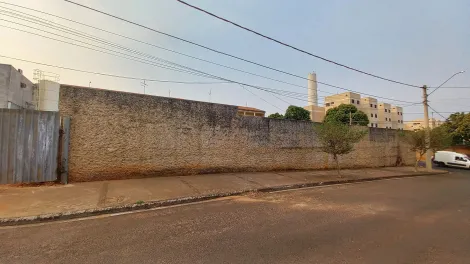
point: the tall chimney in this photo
(312, 89)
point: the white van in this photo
(452, 159)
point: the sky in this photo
(417, 42)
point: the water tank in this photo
(48, 96)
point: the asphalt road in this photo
(414, 220)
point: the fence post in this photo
(64, 155)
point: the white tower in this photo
(312, 89)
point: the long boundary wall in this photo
(117, 135)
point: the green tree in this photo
(439, 139)
(297, 113)
(276, 115)
(338, 139)
(343, 113)
(458, 126)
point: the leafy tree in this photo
(338, 139)
(344, 112)
(439, 139)
(458, 126)
(276, 115)
(297, 113)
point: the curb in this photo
(186, 200)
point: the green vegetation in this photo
(338, 139)
(297, 113)
(346, 113)
(458, 127)
(276, 115)
(439, 139)
(293, 112)
(139, 202)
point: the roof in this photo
(246, 108)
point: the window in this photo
(352, 101)
(327, 104)
(332, 103)
(371, 115)
(375, 115)
(375, 125)
(385, 110)
(358, 102)
(375, 106)
(371, 105)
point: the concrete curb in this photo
(185, 200)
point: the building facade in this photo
(16, 91)
(385, 115)
(369, 107)
(250, 111)
(419, 124)
(381, 115)
(343, 98)
(397, 117)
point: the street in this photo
(412, 220)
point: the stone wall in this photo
(117, 135)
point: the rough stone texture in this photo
(117, 135)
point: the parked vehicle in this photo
(452, 159)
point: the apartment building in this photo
(385, 115)
(419, 124)
(380, 114)
(397, 118)
(343, 98)
(369, 107)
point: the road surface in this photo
(413, 220)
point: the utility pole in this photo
(427, 137)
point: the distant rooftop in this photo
(246, 108)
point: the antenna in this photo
(143, 84)
(210, 95)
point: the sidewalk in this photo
(17, 202)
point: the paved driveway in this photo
(413, 220)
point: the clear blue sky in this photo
(419, 42)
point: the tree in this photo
(458, 126)
(338, 139)
(297, 113)
(439, 139)
(276, 115)
(344, 112)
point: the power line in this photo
(437, 112)
(107, 74)
(127, 49)
(292, 47)
(133, 58)
(289, 94)
(88, 36)
(326, 84)
(205, 47)
(259, 97)
(147, 79)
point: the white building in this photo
(16, 91)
